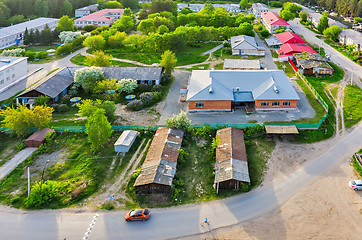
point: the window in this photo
(287, 103)
(264, 104)
(275, 104)
(2, 81)
(13, 76)
(199, 105)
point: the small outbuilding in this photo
(37, 138)
(125, 141)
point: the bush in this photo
(21, 146)
(17, 52)
(41, 55)
(30, 55)
(43, 193)
(60, 108)
(89, 28)
(264, 33)
(180, 121)
(135, 105)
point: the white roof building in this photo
(125, 141)
(12, 70)
(258, 8)
(351, 37)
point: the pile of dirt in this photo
(142, 117)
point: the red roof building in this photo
(272, 21)
(292, 38)
(104, 17)
(287, 50)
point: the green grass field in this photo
(352, 107)
(81, 61)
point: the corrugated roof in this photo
(126, 138)
(92, 7)
(231, 160)
(137, 73)
(273, 18)
(289, 49)
(100, 15)
(288, 37)
(19, 28)
(244, 42)
(241, 63)
(225, 83)
(161, 160)
(40, 135)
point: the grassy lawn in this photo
(189, 55)
(40, 48)
(199, 67)
(339, 48)
(274, 53)
(81, 172)
(79, 59)
(8, 147)
(352, 107)
(288, 69)
(219, 66)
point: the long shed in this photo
(125, 141)
(37, 138)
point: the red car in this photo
(137, 215)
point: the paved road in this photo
(177, 221)
(336, 56)
(212, 50)
(267, 61)
(15, 161)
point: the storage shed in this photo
(125, 141)
(37, 138)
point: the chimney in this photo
(276, 89)
(211, 90)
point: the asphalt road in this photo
(177, 221)
(336, 57)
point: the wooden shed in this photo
(125, 141)
(37, 138)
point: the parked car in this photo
(137, 215)
(355, 185)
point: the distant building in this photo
(351, 37)
(315, 17)
(286, 51)
(273, 42)
(13, 35)
(241, 64)
(125, 141)
(273, 22)
(196, 7)
(159, 167)
(223, 90)
(245, 45)
(312, 63)
(12, 70)
(104, 17)
(84, 11)
(258, 9)
(231, 167)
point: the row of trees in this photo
(343, 7)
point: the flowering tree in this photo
(127, 85)
(180, 121)
(68, 36)
(18, 52)
(88, 77)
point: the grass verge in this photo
(352, 107)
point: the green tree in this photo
(20, 119)
(332, 32)
(287, 15)
(65, 24)
(46, 36)
(264, 33)
(244, 4)
(323, 24)
(41, 8)
(147, 26)
(157, 6)
(180, 121)
(37, 37)
(127, 85)
(31, 36)
(67, 8)
(168, 61)
(208, 9)
(359, 8)
(132, 4)
(88, 107)
(113, 4)
(42, 100)
(98, 129)
(17, 19)
(186, 10)
(162, 29)
(353, 7)
(109, 108)
(357, 20)
(99, 59)
(4, 15)
(88, 77)
(96, 42)
(303, 15)
(26, 37)
(44, 192)
(116, 40)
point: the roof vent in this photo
(211, 90)
(5, 61)
(237, 90)
(276, 89)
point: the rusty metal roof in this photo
(161, 160)
(40, 134)
(231, 160)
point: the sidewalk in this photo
(15, 161)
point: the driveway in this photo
(268, 60)
(15, 161)
(212, 50)
(172, 103)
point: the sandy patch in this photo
(142, 117)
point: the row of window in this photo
(275, 103)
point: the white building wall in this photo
(12, 73)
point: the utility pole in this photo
(28, 181)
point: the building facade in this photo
(351, 37)
(258, 9)
(104, 17)
(84, 11)
(273, 22)
(12, 70)
(14, 35)
(245, 45)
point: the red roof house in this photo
(292, 38)
(272, 21)
(287, 50)
(104, 17)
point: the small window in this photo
(264, 104)
(275, 104)
(199, 105)
(287, 103)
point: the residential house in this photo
(196, 7)
(351, 37)
(231, 167)
(143, 75)
(104, 17)
(287, 50)
(84, 11)
(258, 9)
(222, 90)
(245, 45)
(241, 64)
(13, 35)
(125, 141)
(312, 63)
(315, 17)
(273, 42)
(291, 38)
(272, 21)
(12, 71)
(159, 167)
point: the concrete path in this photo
(212, 50)
(15, 161)
(268, 60)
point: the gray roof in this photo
(126, 138)
(19, 28)
(355, 36)
(244, 42)
(196, 7)
(273, 41)
(241, 63)
(8, 61)
(93, 7)
(259, 6)
(53, 84)
(137, 73)
(227, 84)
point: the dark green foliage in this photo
(44, 192)
(89, 28)
(42, 101)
